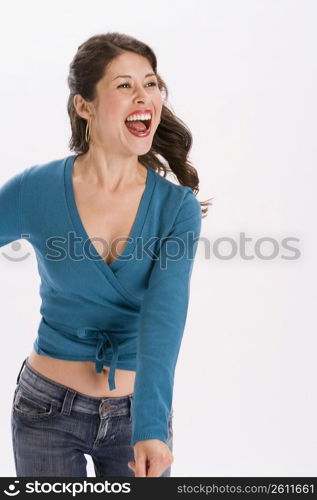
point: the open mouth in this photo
(138, 126)
(147, 123)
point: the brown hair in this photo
(172, 139)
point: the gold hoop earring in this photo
(87, 132)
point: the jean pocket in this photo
(28, 405)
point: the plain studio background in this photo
(242, 76)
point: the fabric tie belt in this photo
(98, 336)
(104, 340)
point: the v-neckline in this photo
(136, 228)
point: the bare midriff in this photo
(82, 376)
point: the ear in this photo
(81, 106)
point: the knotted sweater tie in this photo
(104, 339)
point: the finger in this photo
(131, 466)
(140, 467)
(155, 470)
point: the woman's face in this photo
(118, 96)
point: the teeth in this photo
(147, 116)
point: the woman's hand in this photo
(152, 458)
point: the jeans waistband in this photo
(66, 397)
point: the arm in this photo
(10, 210)
(163, 317)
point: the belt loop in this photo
(18, 379)
(68, 402)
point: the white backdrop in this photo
(242, 76)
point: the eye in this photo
(122, 84)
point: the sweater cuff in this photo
(142, 436)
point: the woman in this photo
(99, 379)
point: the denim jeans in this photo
(53, 426)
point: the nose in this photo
(141, 95)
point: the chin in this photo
(141, 150)
(141, 146)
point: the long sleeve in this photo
(10, 209)
(162, 321)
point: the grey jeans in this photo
(54, 426)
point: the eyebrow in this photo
(129, 76)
